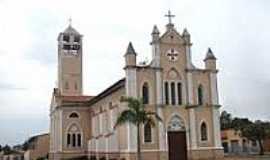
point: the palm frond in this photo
(126, 116)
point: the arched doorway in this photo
(177, 145)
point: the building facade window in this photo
(74, 137)
(75, 86)
(147, 133)
(204, 132)
(200, 95)
(73, 115)
(166, 93)
(179, 91)
(66, 85)
(68, 139)
(173, 93)
(145, 93)
(66, 38)
(79, 140)
(73, 140)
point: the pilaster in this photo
(192, 117)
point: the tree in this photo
(0, 148)
(225, 120)
(240, 123)
(257, 131)
(6, 149)
(137, 115)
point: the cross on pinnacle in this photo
(170, 16)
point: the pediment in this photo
(172, 36)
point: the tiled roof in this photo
(119, 84)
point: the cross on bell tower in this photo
(170, 16)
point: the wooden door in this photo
(177, 145)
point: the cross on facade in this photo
(172, 54)
(170, 16)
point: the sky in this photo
(236, 30)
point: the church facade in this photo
(184, 96)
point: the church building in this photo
(183, 95)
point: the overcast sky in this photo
(238, 32)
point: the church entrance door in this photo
(177, 146)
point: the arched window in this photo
(145, 93)
(200, 95)
(179, 91)
(73, 115)
(166, 93)
(74, 138)
(147, 133)
(203, 132)
(173, 93)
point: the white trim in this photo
(190, 88)
(188, 56)
(61, 129)
(159, 88)
(214, 89)
(216, 127)
(156, 54)
(193, 131)
(128, 136)
(176, 92)
(169, 92)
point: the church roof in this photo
(130, 49)
(117, 85)
(210, 55)
(71, 30)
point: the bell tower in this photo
(70, 62)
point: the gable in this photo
(172, 36)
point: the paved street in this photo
(266, 157)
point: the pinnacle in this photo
(185, 32)
(155, 30)
(130, 49)
(210, 55)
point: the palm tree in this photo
(137, 115)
